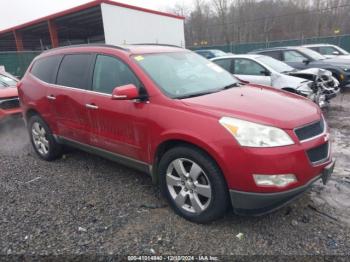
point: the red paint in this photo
(7, 93)
(136, 129)
(127, 92)
(86, 6)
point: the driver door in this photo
(251, 71)
(117, 126)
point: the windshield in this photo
(218, 53)
(185, 74)
(313, 54)
(341, 50)
(329, 50)
(275, 64)
(6, 81)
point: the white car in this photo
(317, 84)
(329, 51)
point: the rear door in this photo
(118, 126)
(251, 71)
(68, 96)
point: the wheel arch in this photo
(170, 143)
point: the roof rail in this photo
(158, 44)
(89, 45)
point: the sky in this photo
(22, 11)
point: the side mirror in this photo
(306, 61)
(265, 73)
(127, 92)
(336, 53)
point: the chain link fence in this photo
(16, 63)
(341, 40)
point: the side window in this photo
(110, 73)
(46, 68)
(274, 54)
(327, 50)
(248, 67)
(225, 64)
(74, 71)
(315, 49)
(293, 56)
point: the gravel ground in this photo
(83, 204)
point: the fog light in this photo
(274, 180)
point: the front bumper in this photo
(10, 112)
(250, 203)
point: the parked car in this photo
(316, 84)
(9, 102)
(169, 112)
(329, 51)
(210, 53)
(302, 58)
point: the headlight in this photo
(255, 135)
(346, 69)
(274, 180)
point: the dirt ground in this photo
(83, 204)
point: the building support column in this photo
(53, 33)
(18, 40)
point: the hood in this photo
(340, 56)
(283, 81)
(6, 92)
(335, 61)
(259, 104)
(311, 71)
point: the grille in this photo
(310, 131)
(318, 154)
(9, 103)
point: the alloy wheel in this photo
(188, 185)
(39, 138)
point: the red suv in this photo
(208, 140)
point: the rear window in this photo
(74, 71)
(46, 68)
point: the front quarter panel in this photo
(202, 130)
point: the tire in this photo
(42, 139)
(200, 196)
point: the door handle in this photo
(51, 97)
(91, 106)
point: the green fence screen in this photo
(16, 63)
(342, 41)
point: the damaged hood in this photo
(311, 72)
(286, 80)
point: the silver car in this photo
(317, 84)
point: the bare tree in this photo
(213, 22)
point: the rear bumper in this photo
(249, 203)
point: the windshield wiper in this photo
(196, 94)
(236, 84)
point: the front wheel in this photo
(193, 184)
